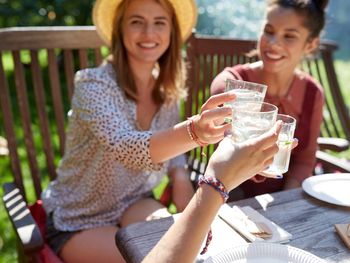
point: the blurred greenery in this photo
(237, 20)
(45, 12)
(216, 17)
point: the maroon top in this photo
(304, 101)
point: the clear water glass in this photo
(281, 160)
(251, 119)
(246, 91)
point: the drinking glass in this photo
(251, 119)
(246, 91)
(281, 159)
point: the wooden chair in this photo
(207, 56)
(34, 102)
(44, 60)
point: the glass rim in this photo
(244, 81)
(274, 107)
(294, 121)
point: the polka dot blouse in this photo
(106, 166)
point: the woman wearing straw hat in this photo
(122, 129)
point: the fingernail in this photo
(231, 93)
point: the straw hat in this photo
(104, 10)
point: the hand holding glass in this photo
(251, 119)
(281, 160)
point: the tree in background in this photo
(338, 26)
(235, 18)
(45, 12)
(242, 19)
(230, 18)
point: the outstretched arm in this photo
(182, 241)
(209, 126)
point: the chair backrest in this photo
(207, 56)
(336, 118)
(37, 70)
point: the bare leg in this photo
(98, 245)
(144, 209)
(92, 245)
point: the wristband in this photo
(221, 189)
(216, 184)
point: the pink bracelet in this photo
(221, 189)
(192, 134)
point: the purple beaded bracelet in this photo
(221, 189)
(216, 184)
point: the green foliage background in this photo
(45, 12)
(216, 17)
(236, 18)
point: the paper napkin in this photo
(246, 220)
(224, 237)
(342, 230)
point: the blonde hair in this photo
(169, 86)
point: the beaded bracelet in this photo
(221, 189)
(216, 184)
(192, 133)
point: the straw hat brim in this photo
(104, 10)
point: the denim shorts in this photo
(56, 238)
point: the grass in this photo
(7, 238)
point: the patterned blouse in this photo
(106, 166)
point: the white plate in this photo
(332, 188)
(264, 252)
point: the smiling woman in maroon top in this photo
(290, 32)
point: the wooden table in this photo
(310, 221)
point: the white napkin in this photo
(240, 217)
(224, 237)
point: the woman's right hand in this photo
(210, 125)
(233, 164)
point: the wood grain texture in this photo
(74, 37)
(310, 221)
(37, 67)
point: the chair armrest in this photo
(333, 144)
(331, 162)
(26, 228)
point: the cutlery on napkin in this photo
(253, 225)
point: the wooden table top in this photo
(310, 221)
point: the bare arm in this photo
(97, 112)
(218, 84)
(209, 127)
(182, 241)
